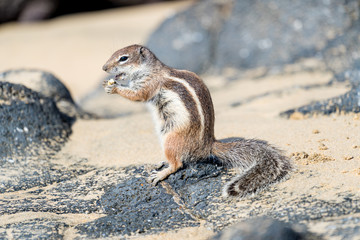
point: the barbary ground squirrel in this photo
(184, 116)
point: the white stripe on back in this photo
(196, 99)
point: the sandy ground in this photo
(74, 48)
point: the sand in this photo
(75, 47)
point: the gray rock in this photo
(249, 34)
(193, 194)
(274, 33)
(29, 123)
(32, 129)
(341, 56)
(187, 39)
(40, 81)
(349, 102)
(263, 228)
(23, 174)
(134, 206)
(48, 85)
(38, 228)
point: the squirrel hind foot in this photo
(157, 176)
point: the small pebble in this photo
(323, 147)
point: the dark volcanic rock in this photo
(32, 129)
(38, 228)
(199, 186)
(342, 54)
(342, 57)
(76, 194)
(29, 172)
(262, 228)
(249, 34)
(40, 81)
(47, 85)
(29, 123)
(186, 40)
(193, 194)
(134, 206)
(274, 33)
(349, 102)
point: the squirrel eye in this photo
(123, 58)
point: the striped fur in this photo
(183, 113)
(190, 92)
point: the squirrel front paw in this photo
(109, 86)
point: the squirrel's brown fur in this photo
(184, 116)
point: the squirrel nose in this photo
(105, 67)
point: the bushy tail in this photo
(260, 164)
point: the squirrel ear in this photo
(142, 52)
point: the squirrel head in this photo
(130, 59)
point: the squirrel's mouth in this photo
(121, 79)
(118, 76)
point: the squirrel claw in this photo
(154, 178)
(109, 88)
